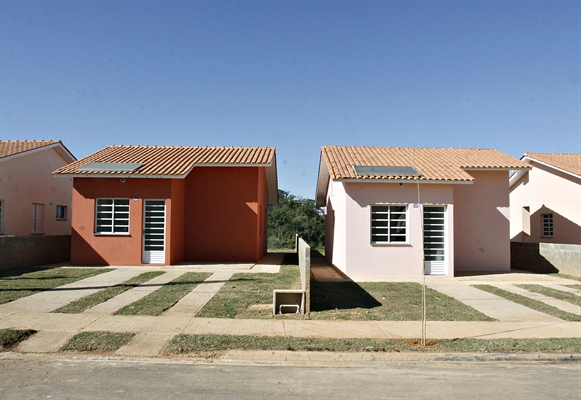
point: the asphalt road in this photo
(42, 377)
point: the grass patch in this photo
(245, 290)
(530, 303)
(386, 301)
(15, 287)
(571, 277)
(11, 337)
(554, 293)
(97, 341)
(578, 287)
(102, 296)
(166, 296)
(188, 344)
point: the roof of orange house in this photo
(11, 147)
(174, 162)
(433, 164)
(568, 162)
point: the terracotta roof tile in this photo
(433, 164)
(11, 147)
(567, 162)
(171, 160)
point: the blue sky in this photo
(295, 75)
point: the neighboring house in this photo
(545, 201)
(32, 200)
(394, 212)
(136, 205)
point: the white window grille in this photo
(389, 224)
(37, 219)
(61, 212)
(112, 216)
(547, 220)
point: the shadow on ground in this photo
(340, 295)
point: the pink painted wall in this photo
(481, 223)
(546, 190)
(352, 251)
(28, 179)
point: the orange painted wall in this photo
(90, 249)
(175, 222)
(222, 221)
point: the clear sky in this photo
(293, 74)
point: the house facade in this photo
(395, 213)
(545, 201)
(135, 205)
(32, 200)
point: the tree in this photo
(294, 215)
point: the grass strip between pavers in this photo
(102, 296)
(97, 341)
(15, 287)
(530, 303)
(578, 287)
(189, 344)
(554, 293)
(10, 337)
(166, 296)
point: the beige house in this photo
(395, 213)
(32, 200)
(545, 201)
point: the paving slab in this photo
(132, 295)
(53, 299)
(220, 326)
(48, 321)
(192, 303)
(270, 264)
(560, 304)
(321, 271)
(139, 324)
(563, 288)
(45, 342)
(494, 306)
(334, 329)
(145, 344)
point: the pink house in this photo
(397, 212)
(545, 201)
(32, 200)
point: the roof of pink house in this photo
(567, 162)
(10, 148)
(431, 164)
(173, 162)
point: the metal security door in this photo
(435, 240)
(154, 232)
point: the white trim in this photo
(525, 158)
(61, 151)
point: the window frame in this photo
(65, 212)
(389, 241)
(547, 225)
(113, 218)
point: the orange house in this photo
(136, 205)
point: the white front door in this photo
(435, 240)
(154, 232)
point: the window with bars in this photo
(547, 225)
(37, 219)
(389, 224)
(112, 216)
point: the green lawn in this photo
(188, 344)
(554, 293)
(97, 341)
(101, 296)
(166, 296)
(530, 303)
(10, 337)
(15, 287)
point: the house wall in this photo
(336, 226)
(554, 192)
(363, 261)
(28, 179)
(90, 249)
(176, 222)
(222, 214)
(481, 223)
(519, 200)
